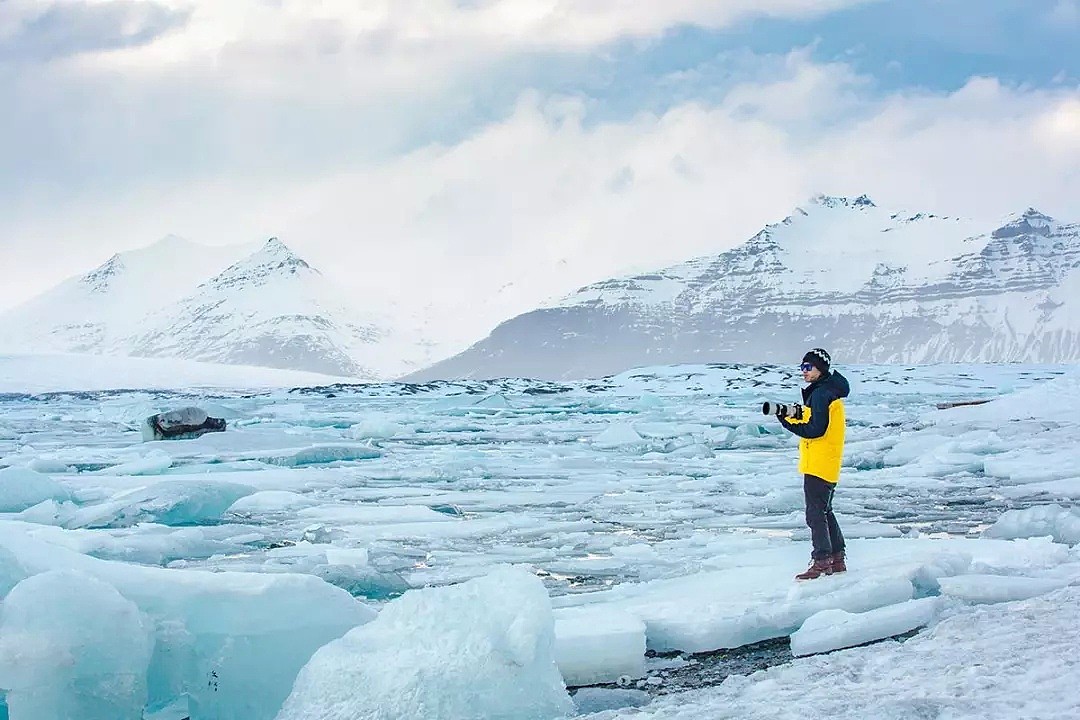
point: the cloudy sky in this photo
(426, 148)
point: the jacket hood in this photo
(838, 384)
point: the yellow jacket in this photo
(821, 428)
(822, 456)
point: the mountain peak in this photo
(275, 250)
(273, 260)
(1029, 222)
(274, 244)
(833, 201)
(1031, 214)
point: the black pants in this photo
(824, 530)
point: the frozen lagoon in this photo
(658, 511)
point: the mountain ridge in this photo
(870, 284)
(244, 304)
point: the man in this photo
(821, 449)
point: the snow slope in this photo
(257, 305)
(33, 374)
(272, 309)
(98, 311)
(871, 285)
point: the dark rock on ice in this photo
(182, 424)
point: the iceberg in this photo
(173, 502)
(71, 646)
(481, 650)
(231, 643)
(22, 488)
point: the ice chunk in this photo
(175, 502)
(719, 437)
(49, 512)
(835, 629)
(616, 436)
(11, 572)
(71, 646)
(1062, 524)
(375, 429)
(865, 529)
(49, 465)
(998, 588)
(231, 642)
(594, 700)
(21, 488)
(321, 454)
(752, 436)
(765, 621)
(598, 645)
(363, 581)
(268, 501)
(154, 462)
(481, 649)
(494, 402)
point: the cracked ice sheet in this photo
(754, 598)
(1003, 661)
(520, 476)
(709, 485)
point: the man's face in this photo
(810, 373)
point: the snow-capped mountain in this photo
(868, 284)
(248, 305)
(98, 311)
(272, 309)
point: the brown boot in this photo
(838, 564)
(818, 567)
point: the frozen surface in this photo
(71, 646)
(1015, 660)
(708, 611)
(481, 650)
(659, 509)
(837, 629)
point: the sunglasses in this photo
(806, 367)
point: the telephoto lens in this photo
(771, 408)
(794, 412)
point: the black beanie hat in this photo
(819, 358)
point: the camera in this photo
(793, 411)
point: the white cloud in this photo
(1058, 130)
(548, 200)
(1064, 16)
(333, 47)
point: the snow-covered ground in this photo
(39, 373)
(649, 520)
